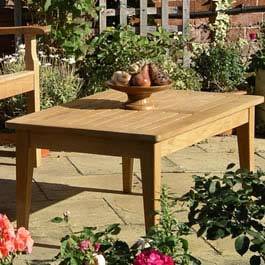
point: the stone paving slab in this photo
(84, 212)
(208, 162)
(89, 164)
(90, 187)
(95, 186)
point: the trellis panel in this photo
(143, 11)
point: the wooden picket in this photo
(144, 11)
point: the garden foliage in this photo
(258, 58)
(232, 205)
(164, 244)
(72, 23)
(116, 49)
(58, 82)
(221, 68)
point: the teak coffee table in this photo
(98, 125)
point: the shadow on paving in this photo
(8, 195)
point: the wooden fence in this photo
(143, 11)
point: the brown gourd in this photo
(158, 77)
(142, 78)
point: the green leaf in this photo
(63, 247)
(212, 187)
(113, 229)
(255, 260)
(47, 5)
(74, 261)
(57, 220)
(242, 244)
(185, 244)
(230, 166)
(215, 232)
(201, 230)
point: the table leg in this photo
(127, 174)
(33, 105)
(24, 174)
(245, 138)
(151, 179)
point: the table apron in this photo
(85, 144)
(197, 134)
(136, 149)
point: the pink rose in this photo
(84, 245)
(4, 223)
(23, 240)
(253, 36)
(8, 234)
(97, 247)
(152, 257)
(4, 249)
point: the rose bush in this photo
(153, 257)
(12, 242)
(164, 244)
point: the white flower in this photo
(71, 60)
(41, 52)
(180, 32)
(64, 60)
(51, 56)
(47, 65)
(21, 51)
(13, 60)
(141, 243)
(66, 213)
(21, 46)
(99, 260)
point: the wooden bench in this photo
(23, 82)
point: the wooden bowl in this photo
(138, 96)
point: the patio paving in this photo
(89, 186)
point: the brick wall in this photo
(241, 24)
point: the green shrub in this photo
(232, 205)
(167, 238)
(221, 67)
(58, 83)
(116, 49)
(258, 58)
(71, 21)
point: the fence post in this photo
(165, 14)
(186, 30)
(123, 12)
(102, 15)
(143, 17)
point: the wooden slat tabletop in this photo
(101, 115)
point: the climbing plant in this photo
(221, 25)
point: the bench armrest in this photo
(24, 30)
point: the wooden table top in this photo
(101, 115)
